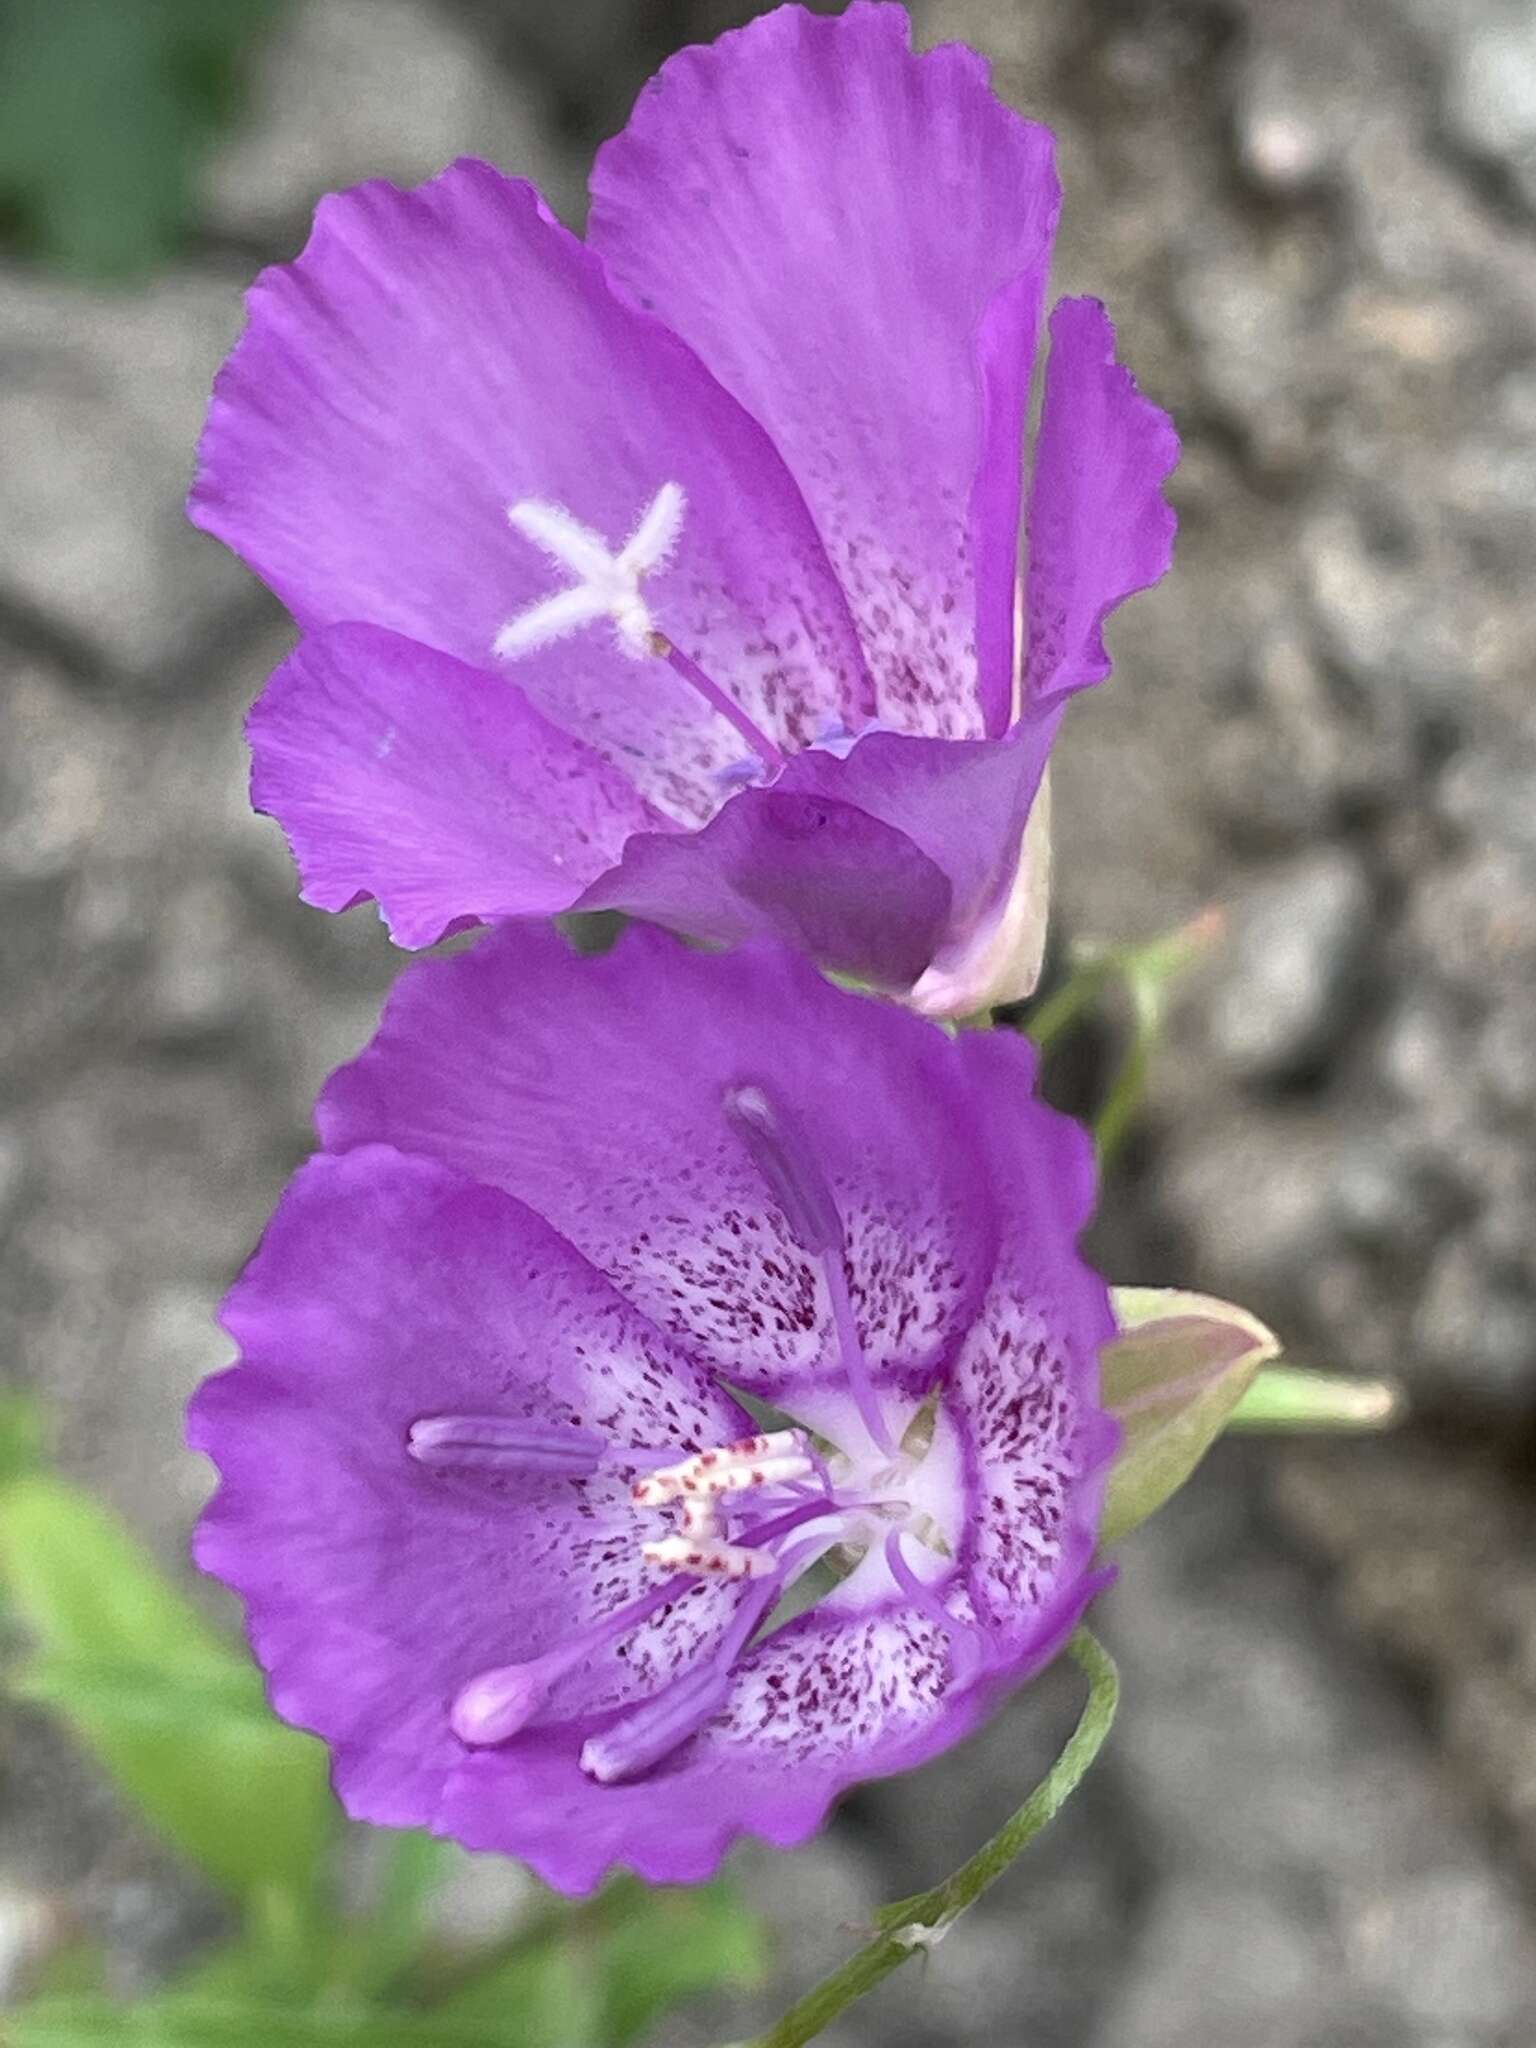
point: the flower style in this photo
(677, 571)
(672, 1397)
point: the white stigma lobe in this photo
(607, 581)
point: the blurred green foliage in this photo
(106, 110)
(174, 1710)
(1148, 974)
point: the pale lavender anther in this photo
(503, 1444)
(650, 1733)
(782, 1155)
(498, 1703)
(495, 1704)
(647, 1734)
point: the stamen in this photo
(497, 1703)
(653, 1730)
(786, 1162)
(782, 1156)
(504, 1444)
(736, 1468)
(607, 586)
(650, 1732)
(965, 1646)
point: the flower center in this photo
(840, 1484)
(607, 586)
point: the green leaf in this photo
(601, 1976)
(1173, 1377)
(23, 1435)
(174, 2022)
(674, 1945)
(105, 109)
(544, 1994)
(378, 1949)
(1292, 1397)
(173, 1710)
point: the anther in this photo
(495, 1704)
(709, 1557)
(773, 1460)
(782, 1155)
(779, 1151)
(504, 1444)
(649, 1732)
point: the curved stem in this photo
(915, 1923)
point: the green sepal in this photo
(1172, 1378)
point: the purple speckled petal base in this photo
(599, 1101)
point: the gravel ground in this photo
(1317, 228)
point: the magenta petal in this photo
(402, 774)
(877, 863)
(612, 1124)
(828, 219)
(828, 1701)
(1100, 528)
(809, 868)
(960, 804)
(436, 356)
(387, 1288)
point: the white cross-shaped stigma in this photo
(607, 584)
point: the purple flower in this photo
(676, 571)
(636, 1303)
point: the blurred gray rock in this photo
(1290, 974)
(355, 89)
(1490, 94)
(101, 401)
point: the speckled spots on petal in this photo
(824, 1688)
(1013, 1401)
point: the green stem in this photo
(1050, 1018)
(917, 1922)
